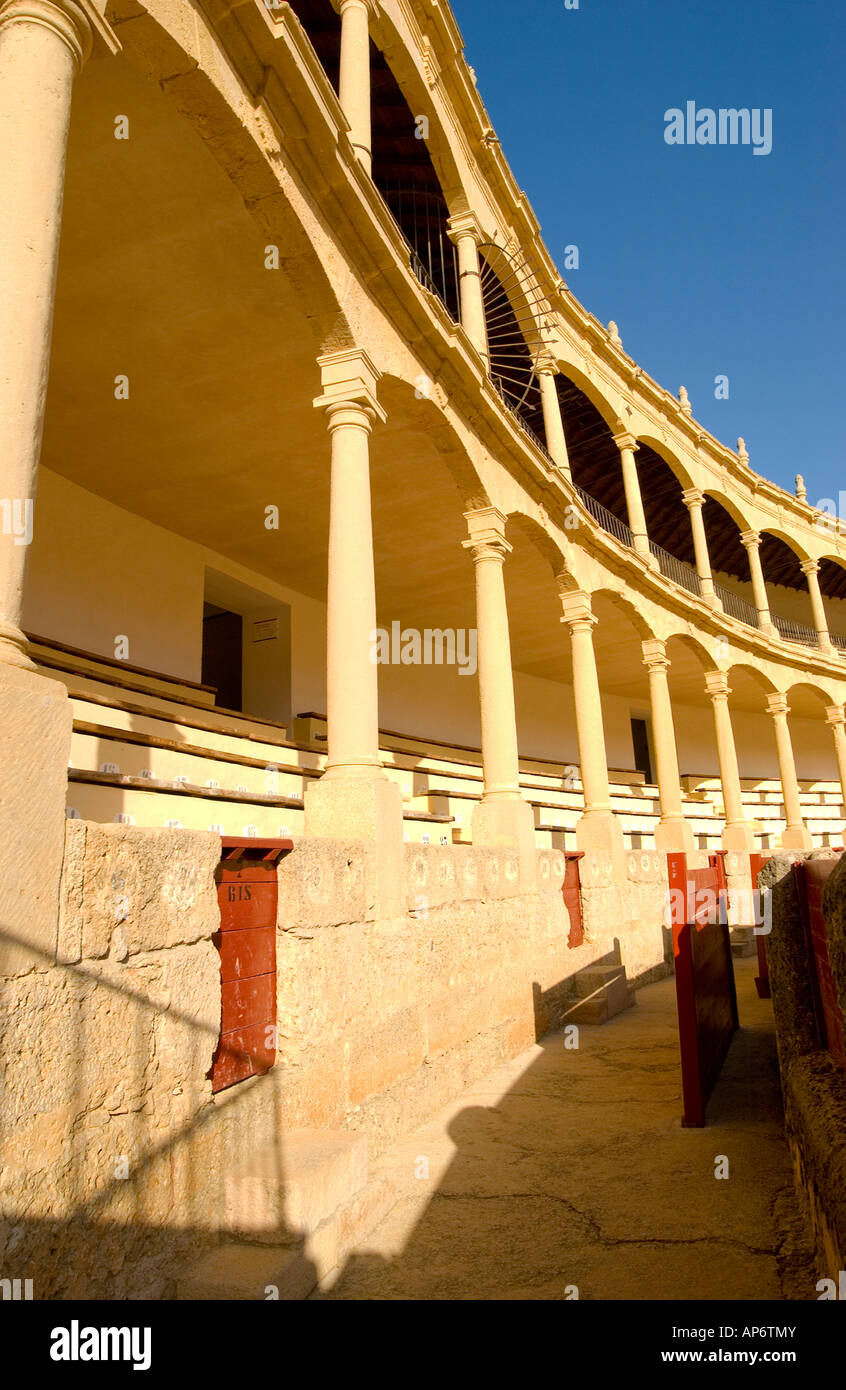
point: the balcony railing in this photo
(518, 418)
(607, 520)
(736, 607)
(792, 631)
(678, 570)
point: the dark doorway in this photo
(222, 658)
(640, 743)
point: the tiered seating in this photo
(154, 750)
(822, 806)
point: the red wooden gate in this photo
(247, 894)
(705, 992)
(811, 876)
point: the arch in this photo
(694, 647)
(400, 60)
(619, 601)
(809, 699)
(575, 375)
(723, 526)
(422, 414)
(665, 453)
(781, 564)
(558, 559)
(744, 675)
(594, 457)
(161, 59)
(832, 576)
(728, 504)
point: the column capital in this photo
(717, 686)
(809, 566)
(655, 654)
(625, 440)
(349, 379)
(77, 23)
(486, 526)
(544, 363)
(371, 6)
(750, 540)
(835, 715)
(693, 497)
(465, 224)
(777, 704)
(578, 610)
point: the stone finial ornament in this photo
(801, 490)
(614, 334)
(684, 401)
(741, 451)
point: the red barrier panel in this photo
(571, 891)
(811, 876)
(762, 979)
(705, 992)
(246, 894)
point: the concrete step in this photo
(603, 1006)
(603, 992)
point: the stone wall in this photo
(115, 1158)
(813, 1086)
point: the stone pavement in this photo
(570, 1168)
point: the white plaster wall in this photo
(96, 572)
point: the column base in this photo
(370, 809)
(740, 838)
(674, 835)
(796, 837)
(509, 822)
(600, 830)
(35, 737)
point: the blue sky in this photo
(712, 260)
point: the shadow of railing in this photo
(116, 1163)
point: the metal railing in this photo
(518, 418)
(679, 571)
(838, 641)
(607, 520)
(792, 631)
(736, 607)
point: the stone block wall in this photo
(115, 1155)
(813, 1086)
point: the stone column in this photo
(598, 827)
(502, 817)
(627, 444)
(739, 832)
(837, 719)
(796, 835)
(354, 798)
(751, 542)
(553, 424)
(811, 570)
(43, 45)
(465, 231)
(673, 832)
(693, 500)
(354, 79)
